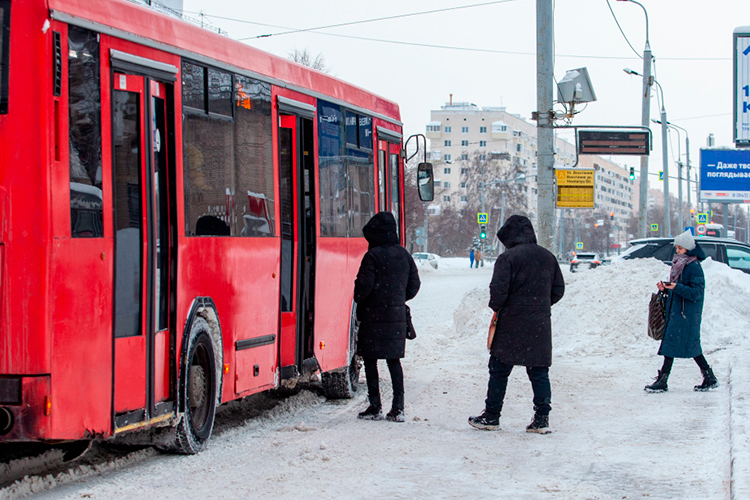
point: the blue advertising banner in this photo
(725, 175)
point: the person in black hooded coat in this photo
(526, 282)
(387, 278)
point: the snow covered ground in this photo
(610, 441)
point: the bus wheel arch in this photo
(199, 385)
(343, 382)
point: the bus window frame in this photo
(4, 56)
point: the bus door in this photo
(389, 178)
(296, 181)
(142, 164)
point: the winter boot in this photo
(371, 413)
(485, 422)
(397, 410)
(709, 381)
(539, 424)
(661, 383)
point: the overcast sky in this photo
(690, 39)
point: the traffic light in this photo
(611, 216)
(482, 231)
(632, 173)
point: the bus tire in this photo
(198, 391)
(344, 382)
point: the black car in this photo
(731, 252)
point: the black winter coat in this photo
(525, 283)
(387, 278)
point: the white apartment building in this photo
(459, 129)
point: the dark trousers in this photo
(499, 373)
(373, 382)
(699, 360)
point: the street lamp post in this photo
(645, 115)
(687, 162)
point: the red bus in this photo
(181, 222)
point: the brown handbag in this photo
(657, 315)
(491, 333)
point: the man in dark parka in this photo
(526, 282)
(387, 278)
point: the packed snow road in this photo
(610, 441)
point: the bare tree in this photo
(306, 58)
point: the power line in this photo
(621, 31)
(452, 47)
(398, 16)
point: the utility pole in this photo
(545, 133)
(665, 168)
(645, 118)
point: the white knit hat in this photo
(685, 240)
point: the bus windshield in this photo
(4, 53)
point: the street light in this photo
(645, 115)
(687, 161)
(665, 160)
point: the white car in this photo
(430, 258)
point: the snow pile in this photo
(604, 310)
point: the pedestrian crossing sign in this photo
(579, 245)
(482, 218)
(654, 227)
(703, 218)
(661, 177)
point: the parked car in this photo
(582, 259)
(430, 258)
(731, 252)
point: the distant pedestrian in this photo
(682, 331)
(471, 258)
(479, 258)
(387, 278)
(526, 282)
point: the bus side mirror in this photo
(425, 182)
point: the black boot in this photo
(486, 422)
(661, 383)
(397, 409)
(709, 381)
(539, 425)
(371, 413)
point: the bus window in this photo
(86, 211)
(4, 53)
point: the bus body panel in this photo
(244, 286)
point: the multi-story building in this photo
(458, 130)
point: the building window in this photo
(464, 130)
(446, 143)
(482, 144)
(519, 147)
(482, 130)
(483, 157)
(447, 130)
(446, 184)
(446, 157)
(433, 128)
(447, 170)
(464, 199)
(464, 171)
(463, 185)
(464, 156)
(465, 144)
(446, 198)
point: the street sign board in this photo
(725, 175)
(654, 227)
(703, 218)
(701, 229)
(579, 245)
(661, 175)
(482, 218)
(575, 187)
(742, 87)
(613, 142)
(691, 229)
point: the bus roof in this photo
(141, 24)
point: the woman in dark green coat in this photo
(682, 333)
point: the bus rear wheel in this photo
(198, 391)
(344, 382)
